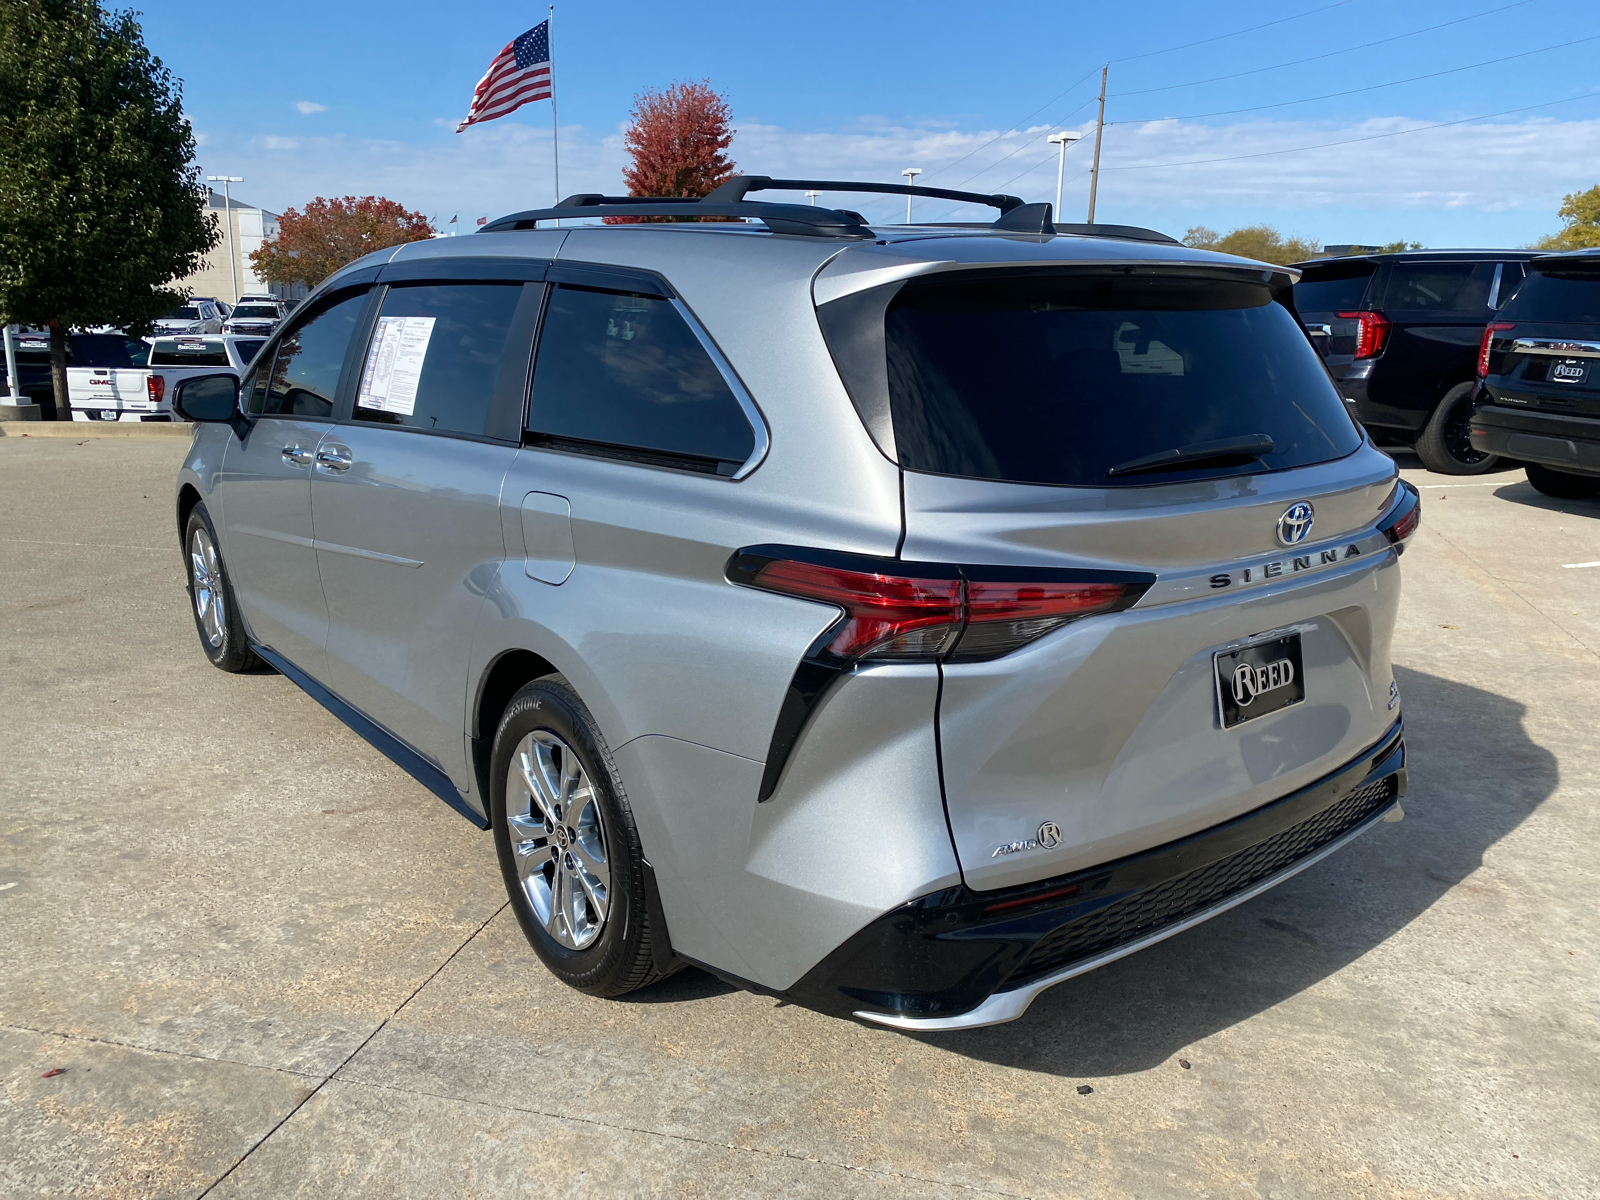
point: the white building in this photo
(246, 228)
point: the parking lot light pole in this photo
(227, 225)
(911, 174)
(12, 395)
(1063, 139)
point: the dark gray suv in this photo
(897, 619)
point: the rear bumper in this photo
(958, 959)
(1566, 443)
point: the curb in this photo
(81, 430)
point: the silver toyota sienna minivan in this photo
(897, 619)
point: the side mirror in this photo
(207, 398)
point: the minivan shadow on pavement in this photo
(1475, 775)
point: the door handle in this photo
(334, 457)
(298, 455)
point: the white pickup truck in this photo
(107, 393)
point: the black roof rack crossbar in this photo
(740, 186)
(802, 219)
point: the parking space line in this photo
(1578, 566)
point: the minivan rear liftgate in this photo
(1115, 774)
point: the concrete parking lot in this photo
(243, 955)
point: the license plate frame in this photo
(1276, 679)
(1573, 371)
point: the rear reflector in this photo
(156, 386)
(906, 611)
(1372, 332)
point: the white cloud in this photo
(307, 107)
(1484, 183)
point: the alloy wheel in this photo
(1458, 434)
(205, 573)
(558, 837)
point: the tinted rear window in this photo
(1460, 287)
(1573, 296)
(180, 354)
(1333, 291)
(246, 348)
(1058, 381)
(101, 350)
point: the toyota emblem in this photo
(1294, 526)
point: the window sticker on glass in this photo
(394, 364)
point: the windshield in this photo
(187, 313)
(256, 310)
(1059, 380)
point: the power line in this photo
(1023, 146)
(1012, 129)
(1197, 162)
(1318, 57)
(1228, 112)
(1133, 58)
(1236, 33)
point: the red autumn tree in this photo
(678, 141)
(313, 244)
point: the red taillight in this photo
(1404, 517)
(1489, 331)
(156, 386)
(1372, 332)
(924, 611)
(1003, 616)
(886, 616)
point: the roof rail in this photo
(802, 219)
(740, 186)
(807, 220)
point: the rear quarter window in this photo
(1336, 290)
(626, 372)
(1458, 287)
(1061, 380)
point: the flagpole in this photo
(555, 129)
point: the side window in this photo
(1455, 287)
(438, 353)
(305, 374)
(627, 371)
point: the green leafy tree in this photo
(1580, 229)
(1261, 242)
(330, 234)
(100, 200)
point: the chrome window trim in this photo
(752, 414)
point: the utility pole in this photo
(911, 174)
(1062, 139)
(227, 226)
(1099, 128)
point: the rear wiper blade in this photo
(1230, 451)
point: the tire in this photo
(568, 847)
(1562, 484)
(211, 602)
(1443, 444)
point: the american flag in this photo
(518, 74)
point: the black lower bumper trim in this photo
(945, 953)
(1567, 443)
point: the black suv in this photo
(1400, 334)
(1539, 369)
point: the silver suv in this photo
(896, 619)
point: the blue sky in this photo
(354, 97)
